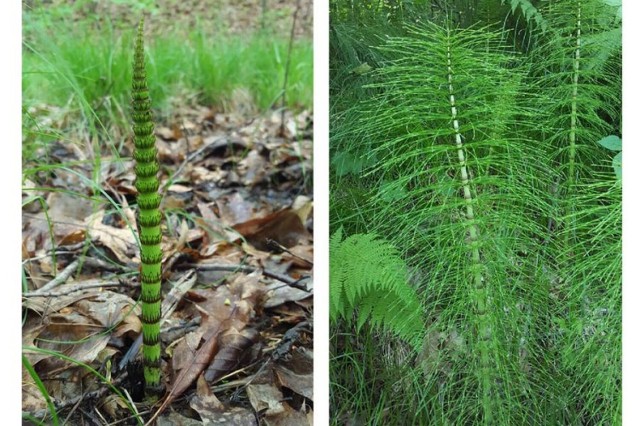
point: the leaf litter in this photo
(237, 266)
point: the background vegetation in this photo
(77, 61)
(474, 135)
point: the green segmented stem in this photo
(146, 170)
(571, 179)
(480, 292)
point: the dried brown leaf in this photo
(266, 398)
(198, 362)
(227, 306)
(234, 208)
(284, 227)
(288, 417)
(255, 168)
(301, 384)
(212, 415)
(279, 294)
(233, 352)
(121, 241)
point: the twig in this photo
(61, 278)
(248, 269)
(53, 252)
(78, 287)
(185, 162)
(169, 304)
(279, 246)
(290, 337)
(286, 69)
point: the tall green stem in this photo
(571, 179)
(149, 219)
(483, 326)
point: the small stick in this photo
(169, 304)
(248, 269)
(279, 246)
(186, 161)
(61, 278)
(78, 287)
(289, 339)
(286, 69)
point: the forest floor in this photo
(237, 331)
(231, 17)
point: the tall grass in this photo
(85, 69)
(95, 66)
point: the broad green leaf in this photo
(617, 165)
(346, 163)
(392, 191)
(612, 142)
(361, 69)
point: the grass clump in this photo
(83, 68)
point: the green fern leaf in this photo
(369, 278)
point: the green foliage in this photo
(590, 314)
(369, 278)
(614, 143)
(149, 218)
(530, 12)
(578, 72)
(456, 193)
(482, 166)
(83, 68)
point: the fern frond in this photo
(369, 278)
(530, 13)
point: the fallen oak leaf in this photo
(226, 307)
(284, 227)
(188, 375)
(233, 352)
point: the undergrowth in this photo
(474, 151)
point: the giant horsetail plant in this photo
(484, 170)
(461, 191)
(577, 70)
(147, 184)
